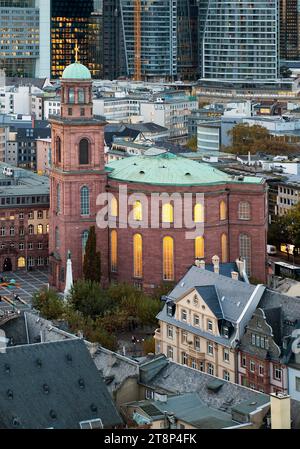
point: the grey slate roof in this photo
(27, 371)
(236, 293)
(210, 296)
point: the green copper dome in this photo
(169, 169)
(76, 71)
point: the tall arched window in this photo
(168, 259)
(199, 247)
(224, 248)
(30, 229)
(58, 199)
(167, 213)
(223, 210)
(244, 211)
(114, 207)
(84, 201)
(114, 250)
(137, 256)
(84, 152)
(245, 251)
(57, 238)
(84, 239)
(198, 213)
(80, 93)
(58, 149)
(138, 211)
(71, 95)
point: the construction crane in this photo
(137, 41)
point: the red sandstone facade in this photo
(67, 223)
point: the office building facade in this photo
(24, 37)
(76, 24)
(240, 41)
(289, 29)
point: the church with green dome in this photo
(155, 215)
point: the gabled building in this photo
(204, 318)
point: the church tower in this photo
(77, 176)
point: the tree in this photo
(92, 258)
(192, 143)
(89, 298)
(149, 346)
(49, 304)
(286, 228)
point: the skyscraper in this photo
(241, 41)
(289, 29)
(187, 39)
(24, 37)
(76, 22)
(158, 37)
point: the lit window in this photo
(199, 247)
(40, 229)
(84, 201)
(114, 250)
(168, 259)
(244, 211)
(138, 211)
(223, 210)
(138, 255)
(224, 248)
(21, 262)
(114, 207)
(167, 213)
(198, 213)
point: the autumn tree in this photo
(192, 143)
(48, 302)
(92, 258)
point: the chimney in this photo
(235, 275)
(241, 264)
(202, 264)
(280, 411)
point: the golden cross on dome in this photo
(76, 52)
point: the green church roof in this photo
(169, 169)
(76, 71)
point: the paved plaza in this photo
(28, 283)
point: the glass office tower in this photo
(187, 39)
(158, 38)
(76, 22)
(24, 37)
(241, 41)
(289, 29)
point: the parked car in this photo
(271, 250)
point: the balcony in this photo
(196, 354)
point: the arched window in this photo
(84, 152)
(58, 199)
(224, 248)
(198, 213)
(58, 149)
(71, 95)
(84, 201)
(137, 256)
(138, 211)
(80, 93)
(199, 247)
(244, 210)
(167, 213)
(30, 229)
(84, 239)
(168, 259)
(114, 207)
(40, 229)
(21, 262)
(223, 210)
(114, 250)
(245, 251)
(57, 238)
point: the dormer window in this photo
(225, 332)
(183, 315)
(170, 307)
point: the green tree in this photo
(49, 304)
(92, 258)
(286, 228)
(89, 298)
